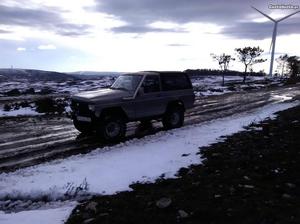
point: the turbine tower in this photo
(274, 35)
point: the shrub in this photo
(49, 105)
(292, 80)
(13, 92)
(46, 91)
(24, 104)
(30, 91)
(7, 107)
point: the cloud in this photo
(41, 18)
(143, 29)
(258, 31)
(47, 47)
(4, 31)
(147, 11)
(228, 14)
(178, 45)
(68, 29)
(21, 49)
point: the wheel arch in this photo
(175, 103)
(113, 111)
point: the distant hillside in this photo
(33, 75)
(93, 74)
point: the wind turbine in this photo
(274, 35)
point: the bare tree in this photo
(289, 65)
(283, 66)
(249, 57)
(294, 66)
(223, 60)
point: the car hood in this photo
(101, 95)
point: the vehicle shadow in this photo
(137, 130)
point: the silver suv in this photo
(141, 96)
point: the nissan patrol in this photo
(140, 96)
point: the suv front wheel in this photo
(112, 128)
(174, 117)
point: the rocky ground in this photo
(249, 177)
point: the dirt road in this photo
(27, 141)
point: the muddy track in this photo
(28, 141)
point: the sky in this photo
(135, 35)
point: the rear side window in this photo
(175, 82)
(151, 84)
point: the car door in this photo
(149, 103)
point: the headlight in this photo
(92, 107)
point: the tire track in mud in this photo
(30, 141)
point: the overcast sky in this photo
(132, 35)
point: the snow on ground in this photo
(212, 85)
(45, 216)
(73, 87)
(60, 87)
(228, 79)
(22, 111)
(111, 169)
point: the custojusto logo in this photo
(283, 6)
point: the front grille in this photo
(80, 108)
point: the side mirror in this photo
(141, 91)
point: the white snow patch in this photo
(19, 112)
(282, 98)
(48, 216)
(112, 169)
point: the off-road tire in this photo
(112, 128)
(174, 117)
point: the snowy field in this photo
(112, 169)
(71, 87)
(203, 86)
(212, 85)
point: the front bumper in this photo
(81, 112)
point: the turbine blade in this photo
(287, 16)
(264, 14)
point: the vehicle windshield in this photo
(127, 82)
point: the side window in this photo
(175, 82)
(151, 84)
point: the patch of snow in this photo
(19, 112)
(112, 169)
(210, 93)
(282, 98)
(45, 216)
(68, 109)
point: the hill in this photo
(34, 75)
(93, 74)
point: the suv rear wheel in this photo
(174, 117)
(112, 128)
